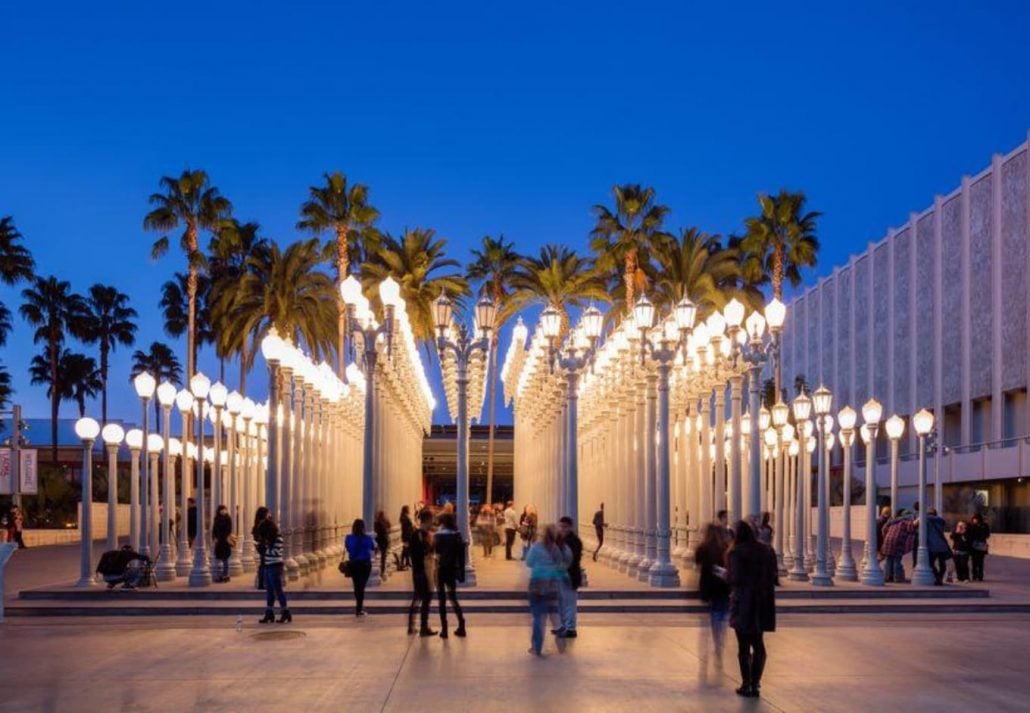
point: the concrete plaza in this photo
(620, 663)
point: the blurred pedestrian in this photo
(710, 558)
(977, 532)
(765, 531)
(407, 530)
(17, 527)
(221, 536)
(548, 561)
(960, 549)
(570, 586)
(360, 548)
(485, 524)
(382, 531)
(450, 569)
(511, 527)
(898, 539)
(937, 544)
(599, 525)
(191, 520)
(422, 568)
(527, 529)
(752, 578)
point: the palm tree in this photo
(5, 387)
(415, 260)
(781, 239)
(175, 309)
(78, 377)
(189, 202)
(345, 211)
(16, 264)
(230, 248)
(162, 364)
(696, 266)
(494, 266)
(285, 289)
(624, 238)
(558, 278)
(109, 322)
(54, 310)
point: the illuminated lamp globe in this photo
(872, 411)
(847, 418)
(923, 422)
(113, 434)
(775, 314)
(733, 313)
(134, 439)
(87, 428)
(199, 386)
(144, 384)
(895, 427)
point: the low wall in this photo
(63, 536)
(1008, 545)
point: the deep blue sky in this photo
(475, 119)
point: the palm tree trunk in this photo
(191, 322)
(629, 276)
(103, 381)
(243, 369)
(777, 286)
(493, 413)
(342, 265)
(55, 398)
(221, 369)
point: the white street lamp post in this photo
(184, 402)
(895, 429)
(87, 430)
(144, 384)
(872, 575)
(822, 401)
(165, 570)
(922, 575)
(846, 570)
(134, 440)
(113, 435)
(802, 410)
(200, 574)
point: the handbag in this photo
(344, 568)
(980, 545)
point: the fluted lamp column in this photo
(822, 402)
(87, 430)
(234, 405)
(922, 575)
(872, 574)
(895, 430)
(144, 384)
(802, 410)
(113, 434)
(846, 570)
(184, 403)
(134, 441)
(165, 570)
(200, 574)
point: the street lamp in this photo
(200, 575)
(272, 348)
(847, 419)
(733, 314)
(463, 348)
(922, 575)
(134, 440)
(822, 402)
(872, 574)
(234, 406)
(802, 411)
(165, 570)
(362, 325)
(895, 430)
(184, 402)
(87, 430)
(113, 434)
(144, 384)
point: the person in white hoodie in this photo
(511, 526)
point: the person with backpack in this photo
(360, 549)
(450, 569)
(570, 586)
(420, 550)
(124, 566)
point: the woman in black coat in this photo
(407, 530)
(977, 534)
(221, 534)
(752, 579)
(710, 558)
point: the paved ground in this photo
(620, 663)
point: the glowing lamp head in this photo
(923, 422)
(592, 322)
(770, 437)
(272, 346)
(755, 326)
(780, 413)
(218, 394)
(550, 322)
(184, 401)
(166, 394)
(822, 401)
(685, 313)
(234, 403)
(733, 313)
(847, 418)
(174, 447)
(486, 313)
(802, 407)
(745, 424)
(442, 311)
(863, 431)
(872, 412)
(390, 292)
(113, 434)
(775, 314)
(87, 429)
(520, 333)
(716, 325)
(155, 443)
(895, 427)
(764, 417)
(144, 384)
(134, 439)
(199, 386)
(350, 291)
(249, 409)
(788, 432)
(643, 313)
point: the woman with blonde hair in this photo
(548, 561)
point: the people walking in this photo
(765, 530)
(419, 550)
(382, 531)
(937, 544)
(260, 516)
(485, 524)
(221, 536)
(511, 527)
(450, 569)
(360, 548)
(599, 525)
(407, 529)
(570, 586)
(527, 529)
(191, 520)
(960, 550)
(899, 538)
(710, 558)
(548, 561)
(752, 578)
(269, 543)
(977, 533)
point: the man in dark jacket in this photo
(191, 520)
(599, 525)
(418, 548)
(569, 596)
(752, 580)
(450, 569)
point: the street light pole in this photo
(112, 434)
(200, 574)
(922, 575)
(872, 575)
(822, 401)
(165, 570)
(87, 430)
(144, 384)
(846, 570)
